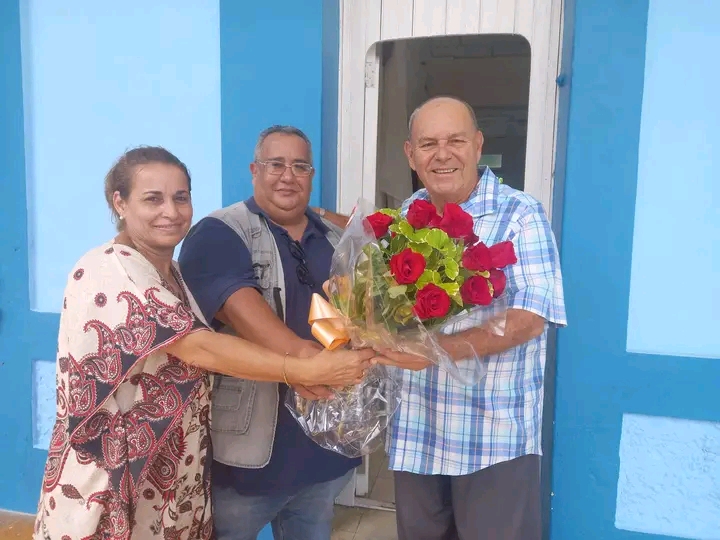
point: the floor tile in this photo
(377, 525)
(383, 490)
(342, 535)
(16, 526)
(347, 519)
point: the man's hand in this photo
(402, 360)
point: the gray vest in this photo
(244, 413)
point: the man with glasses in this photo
(253, 268)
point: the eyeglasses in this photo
(276, 168)
(303, 272)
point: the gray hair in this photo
(286, 130)
(469, 108)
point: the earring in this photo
(121, 218)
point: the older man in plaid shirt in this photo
(467, 459)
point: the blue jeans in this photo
(306, 515)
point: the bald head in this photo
(440, 101)
(443, 147)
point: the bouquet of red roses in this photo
(436, 264)
(398, 283)
(402, 281)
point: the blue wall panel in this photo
(669, 477)
(271, 58)
(83, 106)
(20, 466)
(674, 288)
(89, 94)
(598, 381)
(330, 99)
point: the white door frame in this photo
(364, 24)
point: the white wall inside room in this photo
(491, 73)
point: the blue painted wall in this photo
(90, 93)
(273, 65)
(271, 57)
(678, 192)
(75, 128)
(21, 466)
(637, 439)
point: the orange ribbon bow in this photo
(326, 324)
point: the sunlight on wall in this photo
(674, 290)
(98, 79)
(669, 477)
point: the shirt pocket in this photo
(232, 404)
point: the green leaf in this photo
(397, 290)
(428, 276)
(435, 238)
(404, 228)
(433, 261)
(451, 288)
(424, 249)
(452, 268)
(403, 313)
(397, 244)
(392, 212)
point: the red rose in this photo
(478, 258)
(379, 223)
(498, 281)
(471, 239)
(421, 213)
(456, 222)
(476, 290)
(503, 254)
(431, 301)
(407, 266)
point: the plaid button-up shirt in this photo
(444, 427)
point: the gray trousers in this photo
(501, 502)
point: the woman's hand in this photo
(313, 393)
(339, 368)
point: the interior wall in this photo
(492, 73)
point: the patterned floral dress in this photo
(130, 452)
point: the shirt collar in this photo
(313, 219)
(483, 200)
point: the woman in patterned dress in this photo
(130, 452)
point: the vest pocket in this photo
(232, 404)
(263, 270)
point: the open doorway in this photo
(491, 73)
